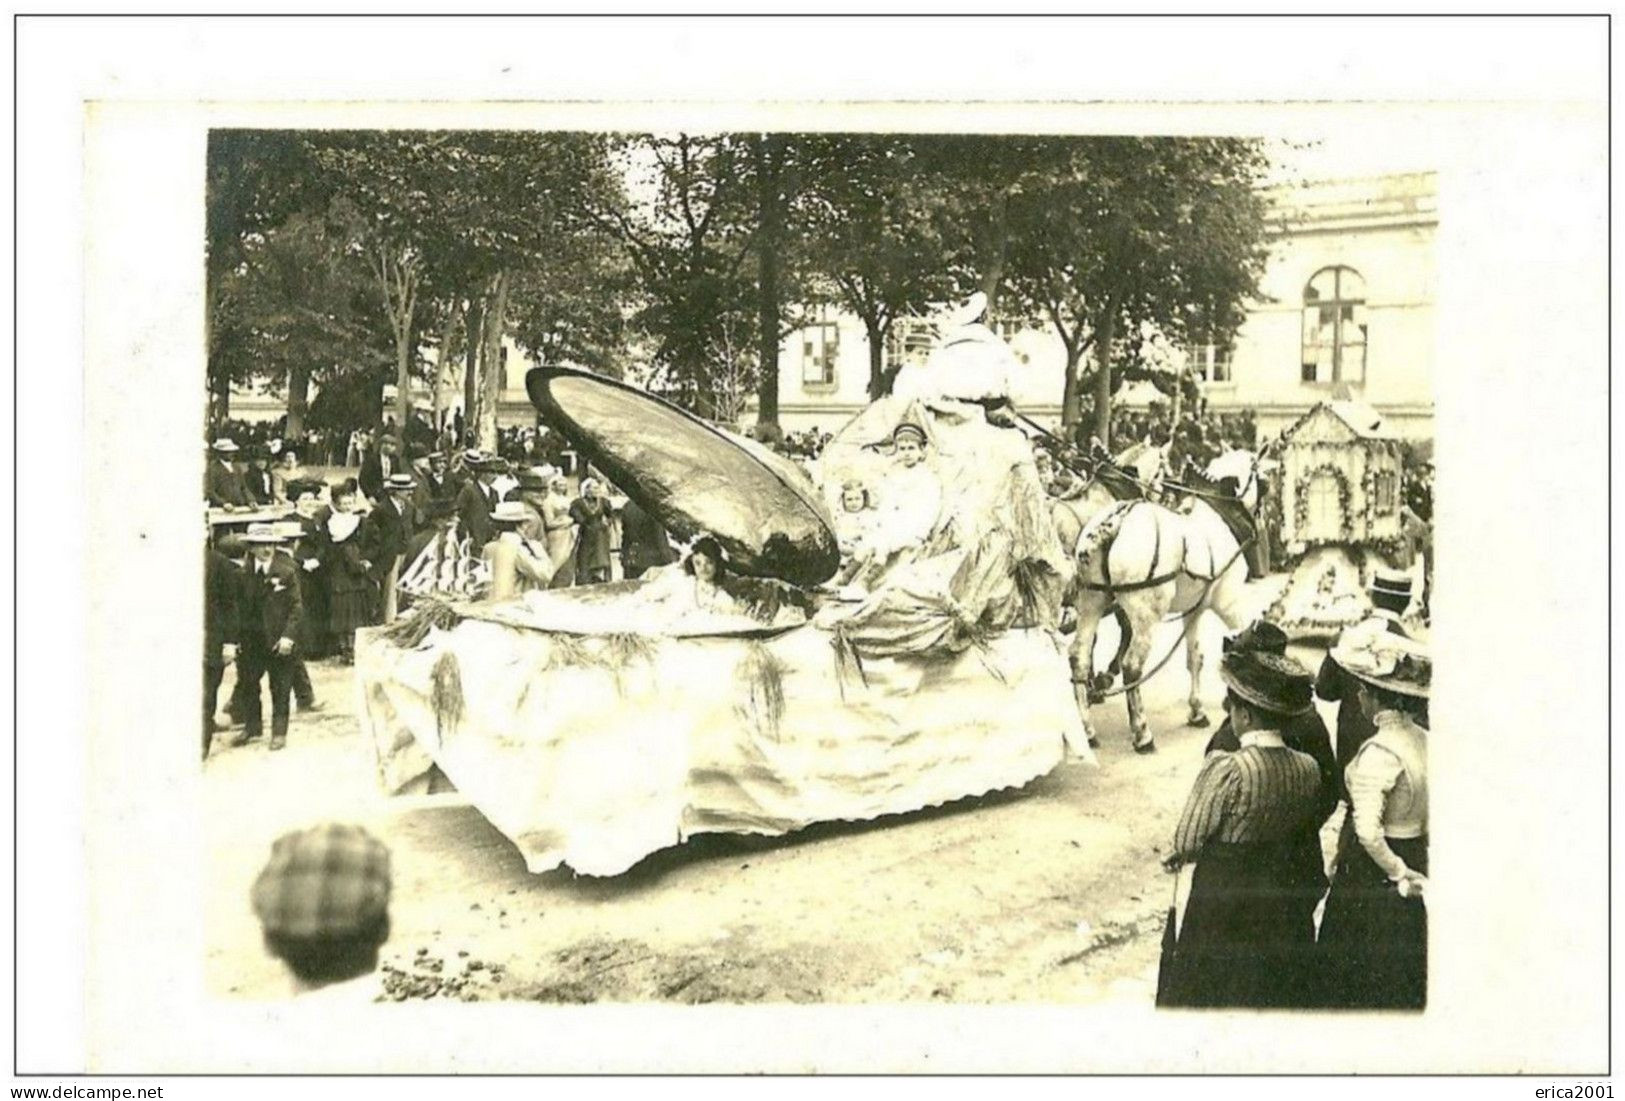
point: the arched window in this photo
(1334, 330)
(1323, 511)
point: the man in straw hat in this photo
(1374, 933)
(1390, 594)
(270, 616)
(516, 565)
(323, 905)
(1243, 937)
(223, 484)
(388, 530)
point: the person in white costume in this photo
(854, 521)
(971, 364)
(909, 509)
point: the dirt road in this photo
(1052, 893)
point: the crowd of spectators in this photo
(539, 446)
(339, 541)
(807, 444)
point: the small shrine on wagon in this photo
(1340, 494)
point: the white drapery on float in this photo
(591, 735)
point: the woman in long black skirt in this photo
(1373, 936)
(351, 592)
(1244, 937)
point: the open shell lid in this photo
(693, 478)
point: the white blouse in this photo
(1387, 781)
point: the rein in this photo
(1088, 479)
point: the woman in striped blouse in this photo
(1244, 939)
(1374, 933)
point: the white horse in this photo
(1146, 560)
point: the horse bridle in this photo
(1167, 484)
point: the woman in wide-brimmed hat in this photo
(1243, 938)
(1373, 936)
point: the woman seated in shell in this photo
(702, 584)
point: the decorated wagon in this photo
(1340, 500)
(596, 725)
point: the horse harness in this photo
(1153, 579)
(1151, 582)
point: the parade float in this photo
(595, 725)
(1340, 495)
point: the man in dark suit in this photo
(377, 466)
(256, 476)
(477, 499)
(388, 530)
(221, 582)
(1390, 595)
(436, 495)
(270, 617)
(223, 485)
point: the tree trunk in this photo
(994, 241)
(1105, 334)
(878, 383)
(403, 380)
(491, 383)
(219, 399)
(442, 360)
(1179, 400)
(1071, 391)
(219, 407)
(471, 364)
(298, 401)
(769, 201)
